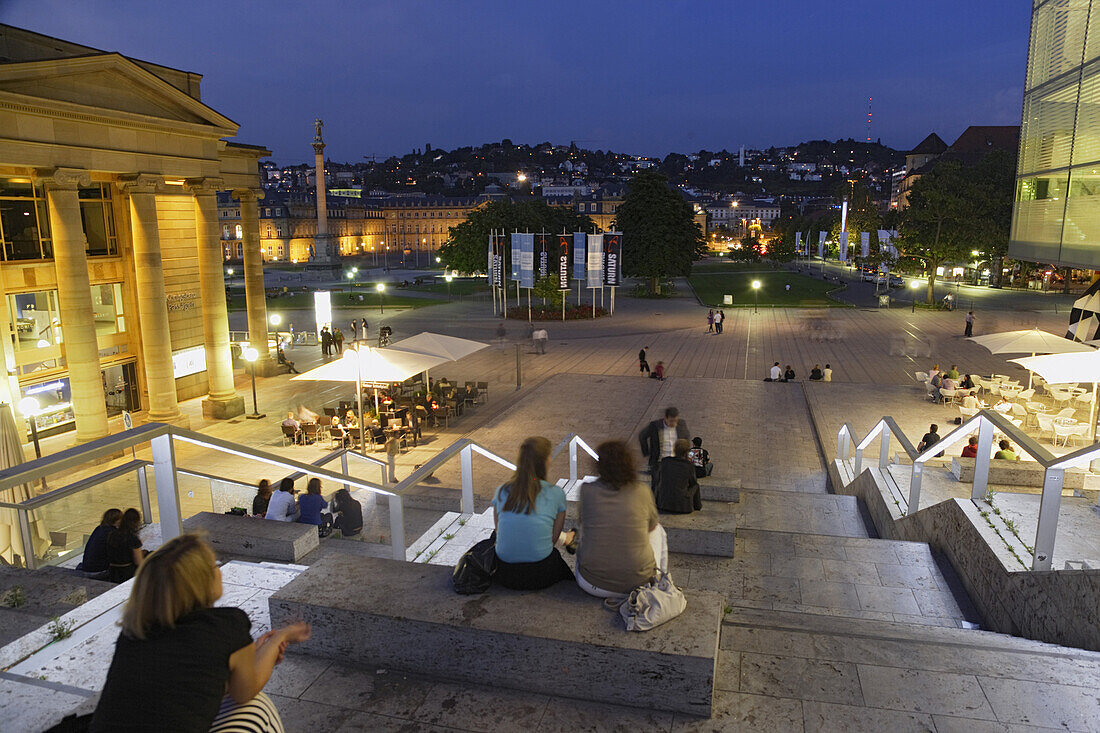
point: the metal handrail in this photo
(985, 421)
(76, 487)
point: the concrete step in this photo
(249, 537)
(787, 511)
(407, 617)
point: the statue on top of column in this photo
(318, 125)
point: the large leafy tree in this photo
(939, 225)
(660, 236)
(993, 180)
(469, 241)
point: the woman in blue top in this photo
(529, 513)
(312, 503)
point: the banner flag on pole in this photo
(514, 265)
(527, 260)
(798, 243)
(884, 245)
(498, 260)
(595, 260)
(489, 259)
(821, 244)
(579, 241)
(564, 241)
(864, 244)
(543, 255)
(844, 246)
(612, 261)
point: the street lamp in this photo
(29, 407)
(350, 275)
(381, 288)
(355, 270)
(229, 272)
(756, 295)
(448, 278)
(275, 319)
(914, 284)
(250, 355)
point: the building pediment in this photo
(110, 82)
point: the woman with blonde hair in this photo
(529, 514)
(182, 665)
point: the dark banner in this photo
(498, 260)
(564, 242)
(612, 259)
(542, 254)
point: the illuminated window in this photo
(24, 226)
(239, 232)
(97, 216)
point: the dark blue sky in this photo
(644, 77)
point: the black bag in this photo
(474, 572)
(324, 529)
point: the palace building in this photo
(111, 278)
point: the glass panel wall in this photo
(35, 330)
(1057, 38)
(24, 226)
(98, 219)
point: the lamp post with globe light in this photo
(29, 407)
(756, 296)
(448, 278)
(913, 285)
(250, 355)
(381, 288)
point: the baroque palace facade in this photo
(111, 279)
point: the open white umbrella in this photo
(1030, 341)
(365, 364)
(1062, 368)
(11, 454)
(436, 344)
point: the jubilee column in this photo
(322, 242)
(74, 302)
(156, 339)
(223, 401)
(254, 289)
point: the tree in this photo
(660, 236)
(994, 179)
(781, 248)
(547, 289)
(467, 248)
(938, 227)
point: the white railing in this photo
(986, 422)
(574, 441)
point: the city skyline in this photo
(643, 79)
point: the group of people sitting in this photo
(952, 380)
(284, 505)
(970, 450)
(817, 374)
(114, 549)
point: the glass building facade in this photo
(1056, 218)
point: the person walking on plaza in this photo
(710, 321)
(658, 438)
(969, 324)
(354, 330)
(541, 337)
(326, 341)
(643, 364)
(338, 340)
(363, 325)
(718, 318)
(502, 334)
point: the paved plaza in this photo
(827, 628)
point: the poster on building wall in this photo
(564, 241)
(527, 260)
(595, 260)
(865, 244)
(821, 244)
(612, 259)
(579, 241)
(514, 264)
(542, 254)
(844, 246)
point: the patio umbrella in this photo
(371, 365)
(436, 344)
(11, 454)
(1030, 341)
(1062, 368)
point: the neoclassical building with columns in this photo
(112, 291)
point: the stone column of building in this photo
(223, 401)
(156, 339)
(74, 303)
(254, 289)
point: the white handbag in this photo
(650, 605)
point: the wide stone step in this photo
(787, 511)
(255, 538)
(560, 641)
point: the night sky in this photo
(642, 77)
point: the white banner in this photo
(514, 265)
(864, 244)
(821, 236)
(844, 246)
(527, 260)
(798, 243)
(595, 260)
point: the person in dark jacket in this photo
(94, 564)
(677, 487)
(657, 439)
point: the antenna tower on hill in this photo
(868, 119)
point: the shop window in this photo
(36, 330)
(24, 226)
(54, 411)
(120, 388)
(98, 219)
(110, 317)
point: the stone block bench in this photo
(707, 532)
(1014, 473)
(560, 641)
(719, 493)
(252, 537)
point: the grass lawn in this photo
(458, 287)
(721, 265)
(805, 291)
